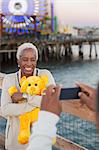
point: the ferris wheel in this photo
(19, 13)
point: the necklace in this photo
(19, 76)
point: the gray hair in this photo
(24, 46)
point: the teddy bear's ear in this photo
(24, 85)
(22, 80)
(44, 78)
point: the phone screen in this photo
(69, 93)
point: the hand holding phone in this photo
(69, 93)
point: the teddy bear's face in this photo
(34, 85)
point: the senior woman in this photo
(27, 56)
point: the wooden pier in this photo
(57, 47)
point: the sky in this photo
(77, 12)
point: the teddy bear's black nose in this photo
(35, 84)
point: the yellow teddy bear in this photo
(33, 85)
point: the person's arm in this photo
(7, 107)
(43, 131)
(45, 128)
(87, 96)
(34, 101)
(50, 76)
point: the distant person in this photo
(27, 56)
(45, 128)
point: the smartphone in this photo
(69, 93)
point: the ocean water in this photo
(71, 69)
(66, 72)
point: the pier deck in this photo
(56, 47)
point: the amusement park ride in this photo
(26, 16)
